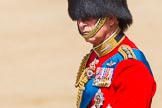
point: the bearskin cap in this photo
(85, 9)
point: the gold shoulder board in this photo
(127, 52)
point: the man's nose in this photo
(81, 23)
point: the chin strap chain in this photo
(99, 24)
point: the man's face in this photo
(86, 26)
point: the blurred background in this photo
(41, 50)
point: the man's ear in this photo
(112, 20)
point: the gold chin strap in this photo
(99, 24)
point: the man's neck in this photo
(109, 34)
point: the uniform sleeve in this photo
(133, 84)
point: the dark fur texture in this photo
(85, 9)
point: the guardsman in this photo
(115, 74)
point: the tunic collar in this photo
(109, 44)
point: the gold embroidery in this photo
(83, 76)
(127, 52)
(81, 83)
(108, 45)
(82, 67)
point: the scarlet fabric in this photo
(132, 84)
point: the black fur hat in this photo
(85, 9)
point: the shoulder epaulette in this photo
(127, 52)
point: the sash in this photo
(91, 90)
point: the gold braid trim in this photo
(99, 24)
(82, 68)
(81, 87)
(127, 52)
(82, 78)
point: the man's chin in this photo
(91, 40)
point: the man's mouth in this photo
(85, 33)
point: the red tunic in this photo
(132, 84)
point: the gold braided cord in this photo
(81, 87)
(99, 24)
(82, 68)
(81, 78)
